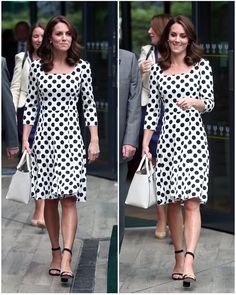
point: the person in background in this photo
(8, 115)
(19, 89)
(149, 56)
(129, 124)
(19, 44)
(183, 82)
(58, 154)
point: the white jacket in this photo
(145, 76)
(19, 83)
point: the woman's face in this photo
(37, 37)
(154, 38)
(61, 37)
(178, 40)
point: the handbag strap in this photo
(142, 162)
(25, 158)
(148, 165)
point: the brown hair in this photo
(29, 41)
(159, 22)
(45, 50)
(194, 51)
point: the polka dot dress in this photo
(182, 166)
(58, 154)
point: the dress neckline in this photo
(70, 73)
(190, 71)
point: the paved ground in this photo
(146, 263)
(26, 249)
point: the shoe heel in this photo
(186, 284)
(64, 280)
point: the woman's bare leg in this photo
(175, 221)
(38, 211)
(160, 231)
(51, 216)
(69, 227)
(192, 227)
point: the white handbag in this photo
(20, 186)
(142, 192)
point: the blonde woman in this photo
(19, 89)
(148, 57)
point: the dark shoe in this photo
(41, 224)
(188, 279)
(66, 275)
(55, 271)
(177, 275)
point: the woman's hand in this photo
(185, 103)
(146, 152)
(146, 66)
(26, 146)
(93, 151)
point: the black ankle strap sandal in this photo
(179, 251)
(55, 271)
(187, 279)
(67, 275)
(190, 253)
(177, 275)
(68, 250)
(56, 249)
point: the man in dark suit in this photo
(129, 123)
(8, 114)
(10, 49)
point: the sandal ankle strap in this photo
(190, 253)
(68, 250)
(56, 249)
(179, 251)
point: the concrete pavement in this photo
(146, 263)
(26, 250)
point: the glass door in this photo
(215, 25)
(100, 49)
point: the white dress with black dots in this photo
(58, 153)
(182, 166)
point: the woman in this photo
(58, 155)
(183, 82)
(19, 89)
(148, 57)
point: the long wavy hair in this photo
(193, 53)
(29, 41)
(45, 51)
(159, 22)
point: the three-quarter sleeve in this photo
(31, 105)
(89, 106)
(154, 102)
(206, 92)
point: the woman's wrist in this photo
(94, 139)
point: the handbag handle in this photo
(148, 164)
(25, 157)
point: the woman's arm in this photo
(153, 111)
(31, 106)
(145, 65)
(205, 100)
(147, 135)
(90, 113)
(187, 103)
(16, 79)
(25, 138)
(93, 149)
